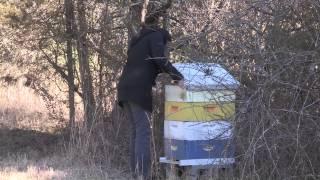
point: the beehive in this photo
(198, 127)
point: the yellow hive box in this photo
(177, 94)
(185, 105)
(198, 111)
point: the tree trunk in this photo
(134, 19)
(85, 73)
(70, 63)
(102, 60)
(144, 11)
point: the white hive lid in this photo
(205, 76)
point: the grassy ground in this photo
(53, 167)
(31, 146)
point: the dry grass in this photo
(31, 173)
(55, 167)
(21, 108)
(30, 147)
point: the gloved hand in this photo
(179, 83)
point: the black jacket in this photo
(145, 61)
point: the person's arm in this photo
(157, 48)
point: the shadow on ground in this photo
(31, 142)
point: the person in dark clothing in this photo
(146, 59)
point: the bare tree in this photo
(69, 18)
(85, 73)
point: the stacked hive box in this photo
(198, 120)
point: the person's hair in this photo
(153, 17)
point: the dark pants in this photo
(140, 139)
